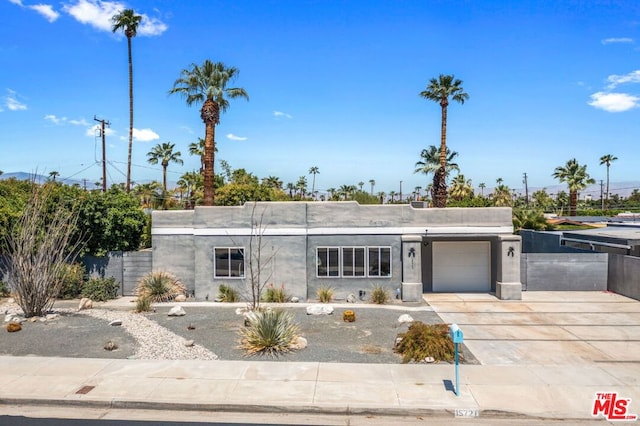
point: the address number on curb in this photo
(467, 412)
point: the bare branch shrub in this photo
(42, 243)
(259, 278)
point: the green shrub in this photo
(380, 295)
(4, 289)
(143, 304)
(325, 294)
(159, 287)
(275, 295)
(228, 294)
(271, 332)
(422, 340)
(72, 277)
(101, 289)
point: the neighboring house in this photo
(615, 238)
(344, 245)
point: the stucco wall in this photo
(624, 275)
(563, 271)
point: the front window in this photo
(379, 261)
(353, 262)
(229, 262)
(327, 263)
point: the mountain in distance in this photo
(38, 178)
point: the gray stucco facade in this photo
(344, 245)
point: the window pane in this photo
(385, 262)
(374, 262)
(334, 264)
(322, 262)
(236, 257)
(379, 261)
(359, 263)
(221, 262)
(347, 262)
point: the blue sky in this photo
(332, 84)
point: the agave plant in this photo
(271, 332)
(159, 287)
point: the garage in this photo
(461, 266)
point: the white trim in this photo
(415, 230)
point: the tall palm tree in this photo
(381, 195)
(128, 21)
(430, 161)
(291, 187)
(197, 149)
(361, 184)
(440, 90)
(272, 182)
(372, 182)
(301, 185)
(163, 153)
(53, 175)
(576, 178)
(393, 194)
(207, 84)
(482, 186)
(607, 159)
(314, 171)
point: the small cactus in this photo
(348, 316)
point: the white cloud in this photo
(98, 14)
(235, 138)
(12, 103)
(614, 102)
(55, 120)
(632, 77)
(94, 131)
(81, 122)
(612, 40)
(145, 135)
(45, 10)
(18, 2)
(281, 114)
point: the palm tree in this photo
(197, 148)
(190, 182)
(207, 84)
(461, 188)
(301, 185)
(332, 193)
(291, 187)
(314, 171)
(372, 182)
(607, 159)
(502, 196)
(53, 174)
(128, 21)
(482, 186)
(392, 194)
(163, 154)
(430, 161)
(440, 90)
(360, 184)
(272, 182)
(416, 192)
(576, 177)
(381, 196)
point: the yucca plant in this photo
(159, 287)
(271, 332)
(422, 341)
(228, 294)
(325, 294)
(275, 295)
(380, 295)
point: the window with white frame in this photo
(353, 262)
(327, 261)
(228, 262)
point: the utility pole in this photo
(103, 123)
(401, 192)
(602, 194)
(526, 190)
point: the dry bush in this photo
(325, 294)
(159, 287)
(422, 340)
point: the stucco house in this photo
(350, 247)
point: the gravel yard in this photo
(214, 330)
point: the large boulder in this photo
(319, 309)
(85, 303)
(177, 311)
(405, 318)
(299, 343)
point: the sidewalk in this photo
(559, 392)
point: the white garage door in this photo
(461, 266)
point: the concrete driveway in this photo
(546, 327)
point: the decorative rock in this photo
(181, 298)
(295, 299)
(177, 311)
(405, 318)
(51, 316)
(398, 340)
(299, 343)
(110, 346)
(429, 360)
(351, 298)
(12, 327)
(17, 320)
(240, 311)
(8, 317)
(189, 343)
(319, 309)
(85, 303)
(116, 322)
(33, 319)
